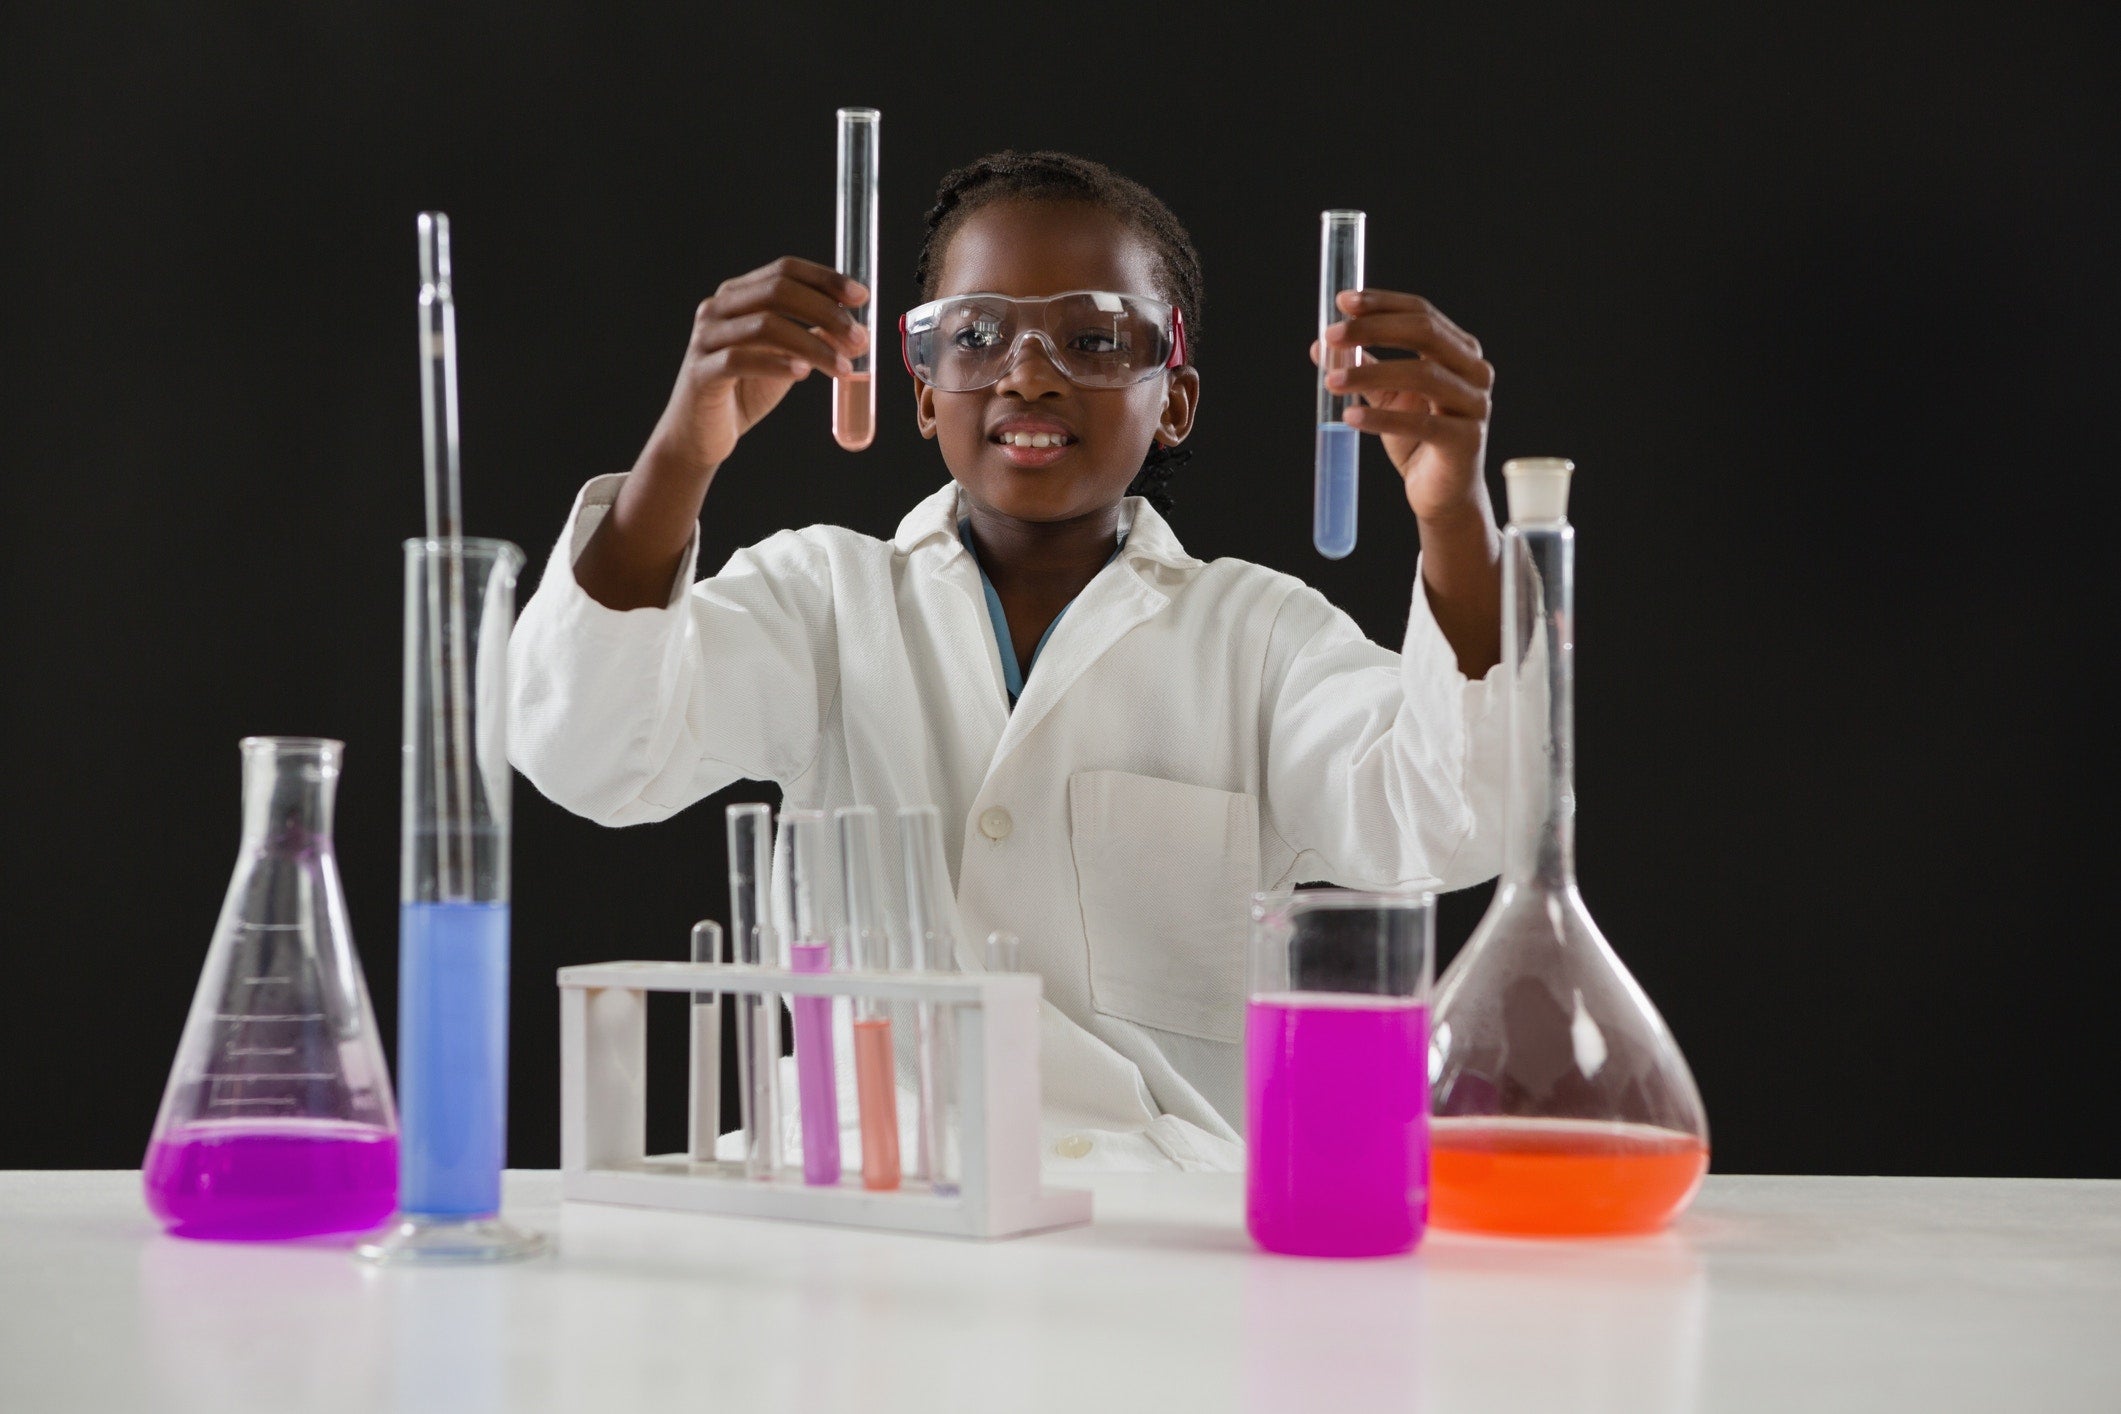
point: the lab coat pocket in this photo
(1164, 873)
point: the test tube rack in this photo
(603, 1110)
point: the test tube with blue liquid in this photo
(1333, 495)
(453, 877)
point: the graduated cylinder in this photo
(453, 877)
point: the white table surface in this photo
(1773, 1294)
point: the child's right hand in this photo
(758, 336)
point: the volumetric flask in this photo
(1562, 1106)
(277, 1119)
(453, 894)
(854, 255)
(1336, 1093)
(1334, 484)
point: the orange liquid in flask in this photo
(1559, 1177)
(854, 410)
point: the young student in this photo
(1125, 742)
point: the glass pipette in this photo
(758, 1016)
(869, 950)
(1333, 490)
(705, 1119)
(813, 880)
(854, 394)
(445, 595)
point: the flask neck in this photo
(289, 786)
(1539, 630)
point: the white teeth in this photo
(1033, 439)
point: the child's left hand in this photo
(1431, 411)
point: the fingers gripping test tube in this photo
(758, 1017)
(813, 890)
(854, 394)
(868, 949)
(705, 1111)
(1338, 453)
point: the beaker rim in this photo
(1344, 898)
(293, 745)
(474, 547)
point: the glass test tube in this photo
(813, 882)
(758, 1016)
(1004, 951)
(932, 931)
(1340, 241)
(705, 1111)
(854, 255)
(869, 950)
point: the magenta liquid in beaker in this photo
(1336, 1074)
(1337, 1124)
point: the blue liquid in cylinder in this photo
(1333, 493)
(452, 1057)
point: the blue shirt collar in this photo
(1013, 673)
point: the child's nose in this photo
(1031, 372)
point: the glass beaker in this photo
(1336, 1094)
(1562, 1106)
(277, 1119)
(453, 892)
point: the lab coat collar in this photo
(1149, 535)
(1109, 607)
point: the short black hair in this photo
(1062, 176)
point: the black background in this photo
(1824, 309)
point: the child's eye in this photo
(1098, 341)
(981, 335)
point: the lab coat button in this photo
(1072, 1146)
(995, 824)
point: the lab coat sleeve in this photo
(1383, 770)
(630, 716)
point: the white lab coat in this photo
(1193, 732)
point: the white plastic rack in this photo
(603, 1109)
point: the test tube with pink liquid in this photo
(1336, 1072)
(854, 255)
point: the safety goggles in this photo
(1097, 339)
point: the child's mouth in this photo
(1033, 445)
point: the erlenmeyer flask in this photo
(277, 1121)
(1561, 1105)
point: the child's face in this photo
(1028, 249)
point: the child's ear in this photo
(1181, 400)
(924, 408)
